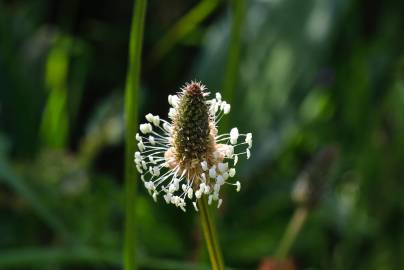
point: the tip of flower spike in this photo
(194, 88)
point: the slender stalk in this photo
(183, 27)
(233, 57)
(131, 118)
(292, 231)
(209, 232)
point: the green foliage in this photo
(301, 75)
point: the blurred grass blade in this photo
(131, 118)
(233, 57)
(292, 231)
(55, 120)
(14, 182)
(28, 257)
(183, 27)
(209, 232)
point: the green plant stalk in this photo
(292, 231)
(210, 235)
(233, 57)
(131, 118)
(184, 26)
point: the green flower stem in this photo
(131, 118)
(292, 231)
(209, 232)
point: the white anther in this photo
(156, 171)
(172, 112)
(138, 155)
(198, 194)
(171, 188)
(146, 128)
(190, 193)
(232, 172)
(226, 108)
(156, 120)
(234, 135)
(151, 140)
(155, 196)
(248, 153)
(139, 169)
(219, 180)
(149, 117)
(218, 97)
(167, 127)
(203, 177)
(248, 139)
(223, 167)
(210, 199)
(204, 165)
(184, 187)
(140, 146)
(138, 138)
(238, 186)
(219, 203)
(212, 172)
(235, 160)
(196, 207)
(151, 159)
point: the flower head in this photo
(184, 158)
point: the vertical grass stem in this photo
(131, 118)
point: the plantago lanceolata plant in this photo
(184, 158)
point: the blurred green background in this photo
(319, 83)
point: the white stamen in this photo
(140, 146)
(156, 120)
(234, 135)
(196, 207)
(226, 108)
(149, 117)
(223, 167)
(210, 199)
(232, 172)
(235, 160)
(238, 186)
(219, 203)
(190, 193)
(204, 165)
(167, 127)
(212, 172)
(219, 180)
(146, 128)
(151, 140)
(248, 139)
(218, 97)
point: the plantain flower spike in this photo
(185, 158)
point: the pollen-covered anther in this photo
(185, 158)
